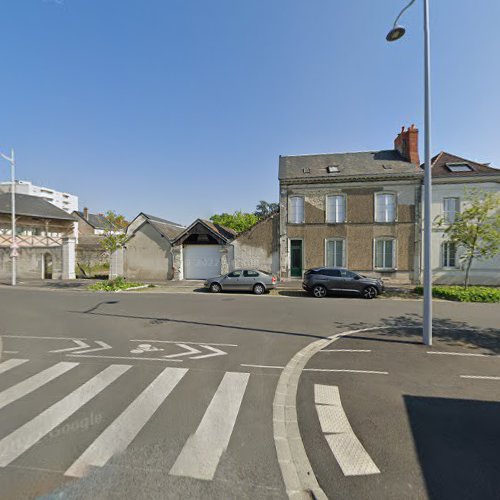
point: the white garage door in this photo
(201, 261)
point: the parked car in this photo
(322, 280)
(250, 280)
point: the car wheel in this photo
(215, 288)
(259, 289)
(370, 292)
(319, 291)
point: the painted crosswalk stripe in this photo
(16, 443)
(201, 453)
(122, 431)
(32, 383)
(350, 454)
(11, 363)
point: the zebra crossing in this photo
(199, 456)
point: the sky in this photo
(181, 108)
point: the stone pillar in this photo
(68, 258)
(116, 264)
(177, 262)
(226, 259)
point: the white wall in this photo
(485, 272)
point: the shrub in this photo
(119, 283)
(461, 294)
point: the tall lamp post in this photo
(395, 34)
(13, 247)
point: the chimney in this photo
(407, 144)
(86, 213)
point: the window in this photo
(234, 274)
(334, 273)
(459, 167)
(335, 208)
(335, 253)
(385, 254)
(250, 274)
(348, 274)
(296, 215)
(385, 207)
(451, 207)
(449, 254)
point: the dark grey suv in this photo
(321, 280)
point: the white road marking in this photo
(187, 352)
(264, 366)
(103, 347)
(345, 350)
(182, 342)
(11, 363)
(215, 351)
(480, 377)
(472, 354)
(11, 352)
(346, 371)
(119, 434)
(42, 338)
(201, 453)
(346, 447)
(81, 345)
(16, 443)
(32, 383)
(122, 357)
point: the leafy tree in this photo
(263, 209)
(114, 235)
(238, 221)
(476, 230)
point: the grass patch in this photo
(119, 283)
(461, 294)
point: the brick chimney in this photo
(407, 144)
(86, 213)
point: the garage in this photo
(201, 261)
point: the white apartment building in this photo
(65, 201)
(452, 177)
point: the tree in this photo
(238, 221)
(476, 230)
(114, 235)
(263, 209)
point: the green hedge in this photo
(119, 283)
(460, 294)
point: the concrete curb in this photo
(298, 476)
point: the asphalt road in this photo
(171, 395)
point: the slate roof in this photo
(153, 218)
(169, 230)
(440, 169)
(225, 232)
(97, 221)
(361, 164)
(33, 206)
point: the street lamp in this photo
(395, 34)
(13, 247)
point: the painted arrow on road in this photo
(103, 347)
(81, 345)
(189, 351)
(216, 352)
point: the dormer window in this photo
(459, 167)
(333, 169)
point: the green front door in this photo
(296, 258)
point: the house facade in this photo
(44, 236)
(452, 178)
(356, 210)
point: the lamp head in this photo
(395, 34)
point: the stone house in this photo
(358, 210)
(452, 177)
(44, 235)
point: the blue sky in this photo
(181, 108)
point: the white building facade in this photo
(453, 177)
(65, 201)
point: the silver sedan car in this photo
(250, 280)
